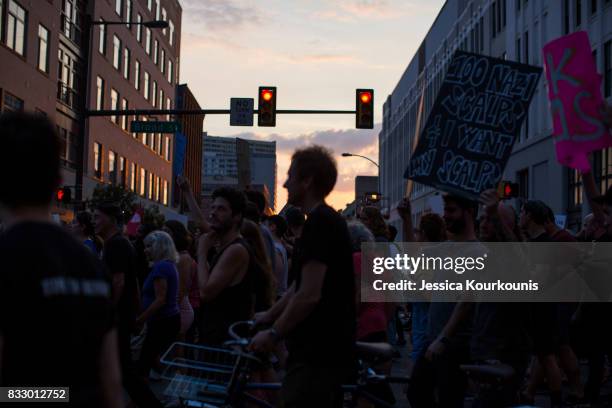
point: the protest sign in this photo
(574, 91)
(475, 119)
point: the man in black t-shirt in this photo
(56, 317)
(120, 259)
(317, 314)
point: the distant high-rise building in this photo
(240, 163)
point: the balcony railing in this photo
(67, 96)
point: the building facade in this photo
(131, 67)
(509, 29)
(52, 58)
(239, 163)
(191, 127)
(42, 54)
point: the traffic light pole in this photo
(135, 112)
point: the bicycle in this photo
(213, 377)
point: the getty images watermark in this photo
(486, 272)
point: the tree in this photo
(115, 194)
(153, 218)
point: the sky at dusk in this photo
(316, 52)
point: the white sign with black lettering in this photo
(241, 111)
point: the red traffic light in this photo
(63, 195)
(266, 95)
(508, 189)
(365, 97)
(267, 106)
(364, 109)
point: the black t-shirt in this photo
(327, 335)
(55, 309)
(120, 257)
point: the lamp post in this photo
(84, 122)
(363, 157)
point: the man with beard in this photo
(317, 313)
(448, 328)
(227, 282)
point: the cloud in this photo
(339, 140)
(193, 41)
(220, 14)
(346, 11)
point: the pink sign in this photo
(574, 91)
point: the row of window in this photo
(16, 33)
(152, 6)
(154, 141)
(577, 10)
(138, 180)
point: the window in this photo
(165, 195)
(157, 11)
(124, 118)
(1, 8)
(608, 68)
(118, 7)
(167, 149)
(16, 27)
(98, 160)
(146, 85)
(163, 61)
(593, 7)
(168, 105)
(126, 63)
(128, 13)
(503, 13)
(566, 16)
(156, 188)
(114, 104)
(522, 178)
(102, 39)
(526, 46)
(122, 172)
(154, 93)
(43, 49)
(137, 75)
(161, 98)
(575, 188)
(164, 16)
(149, 185)
(143, 181)
(116, 52)
(156, 53)
(133, 175)
(518, 50)
(100, 93)
(148, 40)
(112, 167)
(157, 147)
(171, 28)
(149, 3)
(170, 73)
(12, 103)
(139, 28)
(493, 19)
(578, 13)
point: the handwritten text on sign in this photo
(473, 124)
(574, 91)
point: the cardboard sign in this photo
(574, 91)
(468, 137)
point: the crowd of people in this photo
(74, 298)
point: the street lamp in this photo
(363, 157)
(84, 123)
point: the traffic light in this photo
(267, 106)
(64, 195)
(364, 108)
(508, 189)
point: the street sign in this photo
(241, 111)
(154, 127)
